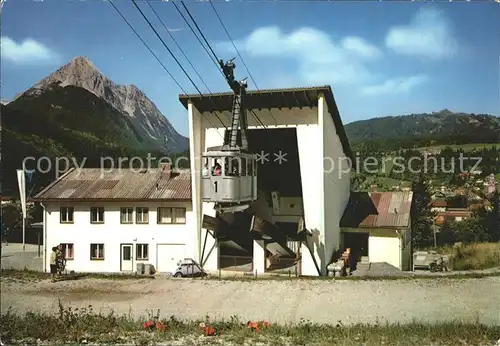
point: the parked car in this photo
(189, 268)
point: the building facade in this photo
(110, 221)
(303, 180)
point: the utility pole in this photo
(434, 231)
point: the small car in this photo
(189, 268)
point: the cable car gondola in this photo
(229, 176)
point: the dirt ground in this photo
(281, 301)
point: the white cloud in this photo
(394, 86)
(359, 46)
(26, 52)
(428, 35)
(319, 59)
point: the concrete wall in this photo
(325, 188)
(310, 143)
(337, 184)
(112, 233)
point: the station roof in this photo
(273, 98)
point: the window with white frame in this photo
(97, 215)
(168, 215)
(141, 215)
(67, 250)
(126, 215)
(141, 252)
(96, 251)
(66, 214)
(179, 215)
(164, 215)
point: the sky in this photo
(381, 58)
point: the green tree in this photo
(447, 234)
(470, 231)
(493, 217)
(422, 219)
(466, 231)
(12, 217)
(490, 218)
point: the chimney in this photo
(166, 170)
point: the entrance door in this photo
(358, 242)
(127, 263)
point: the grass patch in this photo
(473, 256)
(406, 276)
(416, 276)
(32, 275)
(23, 275)
(87, 326)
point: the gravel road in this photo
(394, 301)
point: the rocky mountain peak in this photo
(80, 72)
(81, 64)
(128, 99)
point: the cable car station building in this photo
(299, 183)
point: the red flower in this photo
(148, 325)
(161, 326)
(253, 325)
(210, 331)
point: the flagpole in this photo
(24, 233)
(22, 196)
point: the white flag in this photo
(22, 189)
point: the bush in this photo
(475, 256)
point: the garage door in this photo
(168, 255)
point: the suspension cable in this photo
(173, 56)
(213, 53)
(238, 52)
(154, 55)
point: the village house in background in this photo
(379, 224)
(447, 211)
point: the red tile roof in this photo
(438, 203)
(441, 218)
(119, 184)
(454, 213)
(378, 210)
